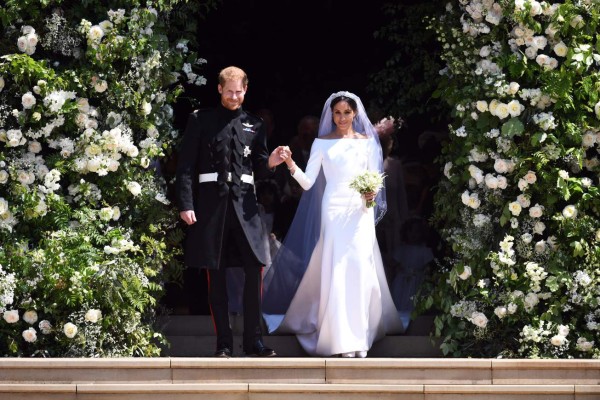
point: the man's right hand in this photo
(188, 216)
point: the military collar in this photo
(230, 114)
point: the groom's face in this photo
(232, 94)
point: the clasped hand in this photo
(279, 155)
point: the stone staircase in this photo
(290, 378)
(194, 336)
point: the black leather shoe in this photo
(223, 352)
(258, 349)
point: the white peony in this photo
(482, 106)
(30, 335)
(3, 176)
(563, 330)
(70, 330)
(530, 177)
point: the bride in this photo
(327, 283)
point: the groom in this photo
(223, 151)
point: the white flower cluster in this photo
(7, 285)
(28, 41)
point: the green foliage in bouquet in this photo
(519, 204)
(88, 235)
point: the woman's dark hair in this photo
(351, 102)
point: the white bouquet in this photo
(368, 182)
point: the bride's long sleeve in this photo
(307, 179)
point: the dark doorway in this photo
(296, 53)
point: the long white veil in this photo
(283, 277)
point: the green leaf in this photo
(513, 127)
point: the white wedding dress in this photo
(343, 303)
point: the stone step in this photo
(307, 370)
(270, 391)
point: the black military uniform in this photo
(222, 152)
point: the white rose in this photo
(513, 88)
(502, 182)
(557, 340)
(561, 49)
(502, 111)
(530, 177)
(3, 206)
(106, 213)
(134, 188)
(93, 315)
(539, 227)
(588, 139)
(30, 317)
(145, 162)
(45, 326)
(466, 273)
(569, 211)
(22, 44)
(11, 316)
(536, 211)
(515, 108)
(531, 52)
(482, 106)
(479, 319)
(3, 176)
(2, 83)
(526, 238)
(96, 33)
(500, 312)
(100, 86)
(35, 146)
(70, 330)
(522, 184)
(30, 335)
(515, 208)
(523, 200)
(491, 181)
(28, 100)
(540, 247)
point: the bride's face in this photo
(343, 115)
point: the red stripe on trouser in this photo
(212, 316)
